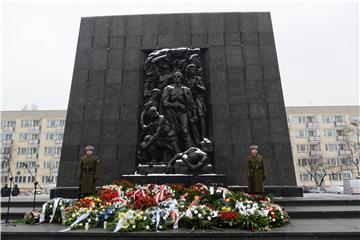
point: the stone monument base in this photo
(186, 179)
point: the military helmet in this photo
(89, 147)
(254, 147)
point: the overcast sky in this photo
(317, 45)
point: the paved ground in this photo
(295, 226)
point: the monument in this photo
(148, 89)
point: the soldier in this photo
(255, 172)
(88, 172)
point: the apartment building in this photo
(31, 143)
(325, 142)
(323, 139)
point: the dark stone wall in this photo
(245, 98)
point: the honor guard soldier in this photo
(88, 172)
(255, 171)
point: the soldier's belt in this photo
(256, 167)
(88, 169)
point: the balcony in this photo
(314, 138)
(56, 155)
(33, 142)
(340, 124)
(312, 124)
(8, 129)
(59, 141)
(315, 153)
(340, 138)
(35, 129)
(31, 156)
(344, 152)
(6, 142)
(59, 127)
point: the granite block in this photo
(99, 59)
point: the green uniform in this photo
(255, 173)
(88, 174)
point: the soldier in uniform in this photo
(255, 171)
(88, 172)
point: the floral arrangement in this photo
(125, 206)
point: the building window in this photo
(301, 133)
(22, 179)
(335, 176)
(6, 136)
(342, 146)
(29, 136)
(347, 175)
(299, 119)
(28, 150)
(51, 164)
(334, 162)
(56, 123)
(54, 136)
(302, 147)
(4, 179)
(339, 118)
(31, 164)
(355, 118)
(312, 133)
(47, 179)
(310, 119)
(30, 123)
(329, 133)
(305, 177)
(8, 123)
(328, 119)
(5, 150)
(314, 147)
(303, 162)
(330, 147)
(52, 150)
(340, 133)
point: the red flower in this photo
(229, 215)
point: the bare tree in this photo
(317, 167)
(352, 141)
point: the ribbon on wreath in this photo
(56, 203)
(160, 195)
(82, 217)
(42, 214)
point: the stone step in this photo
(299, 229)
(294, 212)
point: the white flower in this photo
(196, 211)
(147, 227)
(248, 206)
(50, 206)
(160, 227)
(89, 220)
(96, 219)
(200, 215)
(73, 215)
(230, 224)
(164, 217)
(80, 224)
(274, 220)
(133, 226)
(62, 208)
(144, 218)
(209, 218)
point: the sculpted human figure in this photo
(198, 91)
(194, 158)
(159, 137)
(179, 107)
